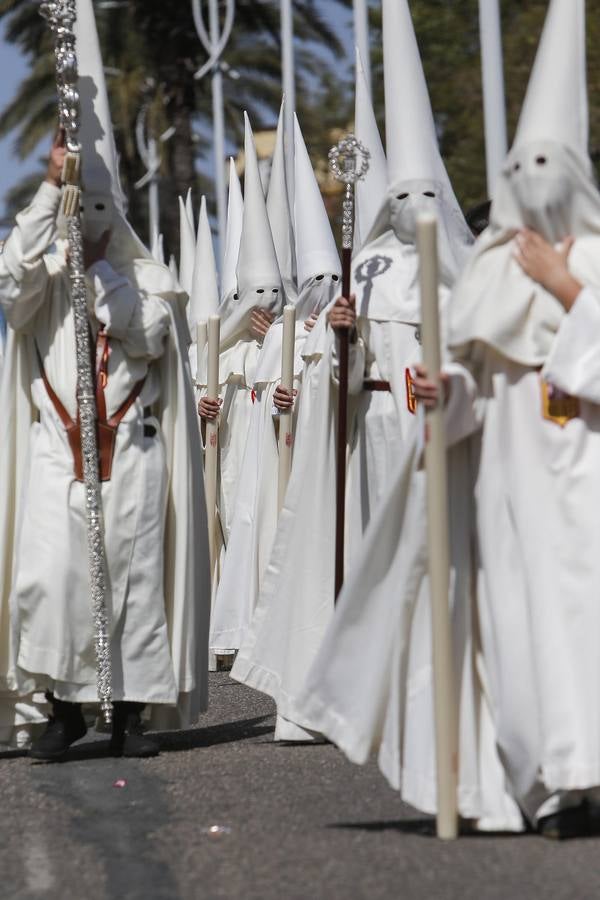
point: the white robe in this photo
(370, 688)
(296, 600)
(539, 535)
(153, 594)
(255, 510)
(237, 365)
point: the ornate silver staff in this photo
(61, 16)
(349, 162)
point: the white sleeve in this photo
(141, 322)
(573, 365)
(23, 274)
(464, 407)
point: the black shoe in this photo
(65, 726)
(128, 738)
(573, 822)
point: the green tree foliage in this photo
(448, 36)
(150, 52)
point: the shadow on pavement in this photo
(170, 741)
(211, 735)
(424, 826)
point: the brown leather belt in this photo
(377, 386)
(107, 428)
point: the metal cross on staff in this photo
(349, 163)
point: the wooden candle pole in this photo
(438, 544)
(286, 418)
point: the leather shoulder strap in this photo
(62, 413)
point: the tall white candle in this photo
(446, 731)
(286, 418)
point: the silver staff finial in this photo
(349, 163)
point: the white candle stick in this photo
(201, 339)
(446, 731)
(286, 418)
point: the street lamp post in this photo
(214, 41)
(149, 152)
(494, 104)
(288, 78)
(361, 37)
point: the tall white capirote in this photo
(278, 209)
(316, 251)
(204, 299)
(257, 261)
(233, 234)
(187, 243)
(189, 208)
(370, 190)
(158, 248)
(104, 203)
(556, 103)
(173, 269)
(99, 159)
(412, 144)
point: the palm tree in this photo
(150, 52)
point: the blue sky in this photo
(12, 69)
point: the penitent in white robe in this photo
(255, 511)
(370, 688)
(538, 489)
(237, 365)
(296, 599)
(51, 642)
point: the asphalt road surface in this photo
(225, 813)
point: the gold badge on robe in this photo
(411, 400)
(557, 406)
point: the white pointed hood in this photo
(412, 144)
(187, 242)
(370, 190)
(545, 184)
(204, 299)
(257, 267)
(158, 249)
(189, 209)
(99, 159)
(556, 103)
(186, 574)
(386, 270)
(258, 278)
(233, 234)
(413, 155)
(280, 218)
(173, 269)
(103, 202)
(316, 251)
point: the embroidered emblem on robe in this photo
(411, 400)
